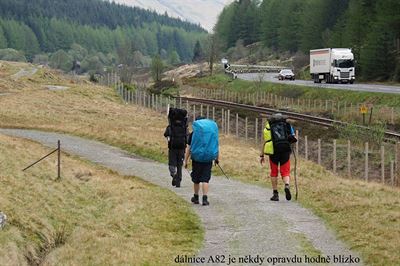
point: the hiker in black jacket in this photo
(176, 134)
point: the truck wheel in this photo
(351, 81)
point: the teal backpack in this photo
(204, 145)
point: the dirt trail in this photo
(240, 221)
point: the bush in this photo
(12, 55)
(165, 87)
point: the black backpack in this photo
(280, 131)
(177, 128)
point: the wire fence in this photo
(370, 162)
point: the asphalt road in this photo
(271, 77)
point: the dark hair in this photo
(199, 117)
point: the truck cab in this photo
(342, 62)
(334, 65)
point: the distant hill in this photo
(204, 12)
(107, 32)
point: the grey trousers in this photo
(175, 162)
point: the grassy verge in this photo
(302, 92)
(91, 217)
(365, 215)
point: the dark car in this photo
(286, 74)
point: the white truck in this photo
(334, 65)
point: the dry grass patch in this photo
(91, 217)
(365, 215)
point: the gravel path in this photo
(24, 73)
(240, 220)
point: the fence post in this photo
(187, 106)
(256, 130)
(213, 113)
(348, 158)
(306, 147)
(201, 109)
(194, 112)
(396, 161)
(58, 159)
(223, 120)
(319, 151)
(237, 125)
(334, 156)
(383, 164)
(180, 102)
(246, 132)
(392, 116)
(229, 122)
(297, 143)
(392, 172)
(366, 162)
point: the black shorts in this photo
(280, 158)
(201, 172)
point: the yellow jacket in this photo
(268, 145)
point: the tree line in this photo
(370, 27)
(99, 31)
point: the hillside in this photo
(94, 32)
(298, 26)
(203, 12)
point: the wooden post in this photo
(237, 125)
(201, 109)
(256, 130)
(246, 132)
(366, 162)
(319, 151)
(383, 164)
(194, 112)
(223, 120)
(334, 156)
(392, 173)
(392, 116)
(208, 111)
(348, 158)
(229, 122)
(58, 159)
(396, 161)
(180, 102)
(187, 107)
(326, 105)
(297, 144)
(306, 147)
(213, 113)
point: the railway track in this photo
(291, 115)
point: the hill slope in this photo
(204, 12)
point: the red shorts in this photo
(284, 168)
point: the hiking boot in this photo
(173, 182)
(177, 183)
(195, 199)
(205, 201)
(275, 197)
(287, 193)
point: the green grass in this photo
(221, 81)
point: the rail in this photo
(291, 115)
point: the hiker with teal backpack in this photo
(203, 149)
(278, 137)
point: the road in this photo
(271, 77)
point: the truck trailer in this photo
(333, 65)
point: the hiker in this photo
(278, 137)
(203, 149)
(176, 134)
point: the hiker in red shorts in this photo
(278, 137)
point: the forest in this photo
(370, 27)
(96, 32)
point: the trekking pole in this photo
(295, 172)
(222, 171)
